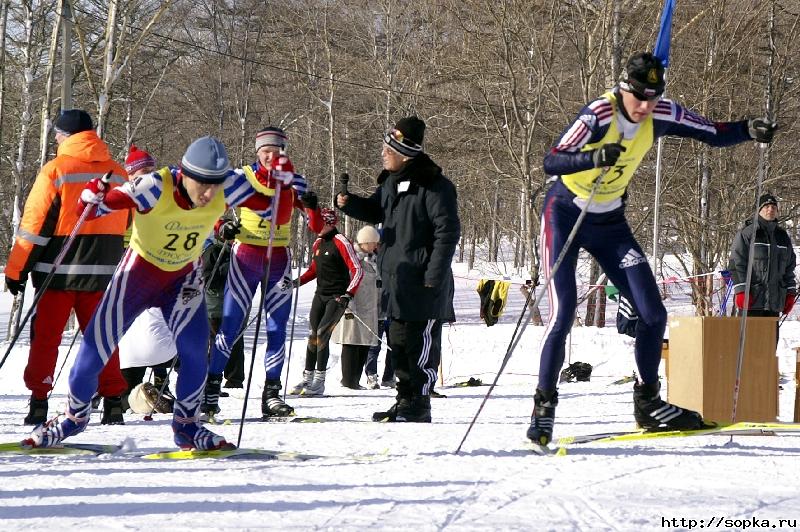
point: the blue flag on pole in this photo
(665, 33)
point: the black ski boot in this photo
(390, 415)
(543, 418)
(418, 410)
(652, 412)
(112, 411)
(271, 403)
(37, 413)
(210, 405)
(158, 382)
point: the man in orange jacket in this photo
(49, 217)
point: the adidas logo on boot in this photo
(652, 412)
(544, 416)
(271, 403)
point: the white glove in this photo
(283, 176)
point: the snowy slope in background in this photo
(395, 476)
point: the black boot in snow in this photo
(271, 403)
(210, 405)
(112, 411)
(652, 412)
(390, 415)
(37, 414)
(418, 410)
(544, 416)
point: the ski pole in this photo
(291, 333)
(164, 385)
(264, 281)
(64, 363)
(373, 333)
(56, 263)
(750, 256)
(523, 323)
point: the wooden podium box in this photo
(703, 353)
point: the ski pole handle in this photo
(343, 180)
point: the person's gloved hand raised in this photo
(762, 130)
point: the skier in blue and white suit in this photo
(607, 141)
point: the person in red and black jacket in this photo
(336, 268)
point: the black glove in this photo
(343, 180)
(14, 286)
(229, 230)
(607, 154)
(310, 200)
(287, 283)
(344, 300)
(762, 130)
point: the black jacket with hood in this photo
(773, 265)
(418, 208)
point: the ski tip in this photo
(562, 451)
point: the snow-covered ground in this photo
(406, 476)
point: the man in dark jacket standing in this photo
(772, 284)
(418, 208)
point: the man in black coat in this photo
(772, 284)
(418, 208)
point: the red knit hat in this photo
(138, 159)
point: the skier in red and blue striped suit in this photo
(177, 208)
(607, 141)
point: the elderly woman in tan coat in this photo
(356, 329)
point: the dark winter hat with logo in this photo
(72, 121)
(406, 136)
(644, 76)
(271, 136)
(206, 161)
(767, 199)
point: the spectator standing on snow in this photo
(357, 328)
(418, 208)
(47, 221)
(335, 266)
(607, 141)
(772, 283)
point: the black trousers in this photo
(325, 314)
(353, 359)
(416, 348)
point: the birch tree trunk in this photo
(48, 89)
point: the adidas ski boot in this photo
(308, 376)
(52, 433)
(210, 405)
(37, 414)
(271, 403)
(317, 385)
(112, 411)
(390, 415)
(189, 434)
(418, 410)
(651, 412)
(543, 418)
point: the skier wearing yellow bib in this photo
(607, 141)
(177, 208)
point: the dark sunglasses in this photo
(643, 98)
